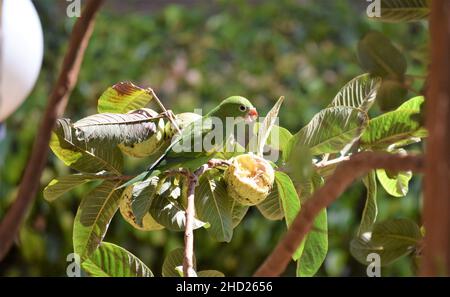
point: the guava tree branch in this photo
(436, 206)
(346, 173)
(188, 260)
(56, 105)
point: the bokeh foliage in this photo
(195, 56)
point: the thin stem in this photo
(326, 163)
(188, 260)
(168, 113)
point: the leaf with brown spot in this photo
(123, 97)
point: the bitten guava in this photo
(249, 179)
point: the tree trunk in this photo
(436, 214)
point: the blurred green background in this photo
(194, 54)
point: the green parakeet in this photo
(237, 107)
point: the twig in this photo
(168, 113)
(345, 174)
(325, 163)
(57, 102)
(188, 260)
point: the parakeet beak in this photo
(252, 115)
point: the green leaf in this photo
(307, 187)
(142, 196)
(396, 185)
(115, 128)
(213, 205)
(167, 207)
(82, 156)
(360, 92)
(115, 261)
(394, 128)
(61, 185)
(266, 127)
(391, 94)
(271, 207)
(93, 217)
(413, 104)
(210, 273)
(378, 56)
(289, 201)
(403, 10)
(370, 211)
(299, 165)
(315, 247)
(330, 131)
(173, 263)
(390, 239)
(238, 212)
(288, 196)
(278, 138)
(123, 97)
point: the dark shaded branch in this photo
(56, 105)
(346, 173)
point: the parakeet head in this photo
(237, 107)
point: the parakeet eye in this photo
(242, 108)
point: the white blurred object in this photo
(22, 49)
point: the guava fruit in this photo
(148, 223)
(183, 120)
(249, 179)
(148, 146)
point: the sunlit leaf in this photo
(277, 140)
(266, 127)
(315, 247)
(413, 104)
(123, 97)
(82, 156)
(396, 185)
(290, 202)
(114, 261)
(115, 128)
(61, 185)
(93, 217)
(360, 92)
(331, 130)
(393, 127)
